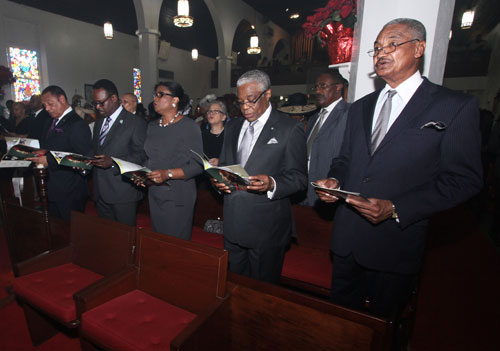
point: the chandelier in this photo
(254, 47)
(108, 30)
(183, 19)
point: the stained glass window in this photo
(137, 83)
(24, 65)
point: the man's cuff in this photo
(270, 193)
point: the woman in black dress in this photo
(168, 144)
(213, 138)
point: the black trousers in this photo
(123, 212)
(63, 208)
(263, 263)
(388, 293)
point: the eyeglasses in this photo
(388, 48)
(161, 94)
(323, 86)
(100, 103)
(250, 103)
(213, 112)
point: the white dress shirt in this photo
(68, 110)
(404, 93)
(113, 117)
(257, 129)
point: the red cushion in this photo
(135, 321)
(209, 239)
(307, 266)
(52, 290)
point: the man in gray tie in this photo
(325, 130)
(411, 149)
(272, 148)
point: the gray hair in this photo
(255, 76)
(222, 106)
(415, 27)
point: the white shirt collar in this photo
(115, 114)
(330, 107)
(68, 110)
(406, 89)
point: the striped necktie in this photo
(104, 131)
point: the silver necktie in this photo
(383, 120)
(314, 131)
(246, 144)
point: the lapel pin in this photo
(121, 121)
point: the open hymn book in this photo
(337, 192)
(234, 176)
(18, 150)
(133, 171)
(72, 160)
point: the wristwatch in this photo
(394, 213)
(170, 174)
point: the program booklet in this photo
(72, 160)
(337, 192)
(18, 150)
(133, 171)
(234, 176)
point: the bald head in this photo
(129, 102)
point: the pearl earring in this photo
(173, 105)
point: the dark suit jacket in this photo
(421, 170)
(38, 124)
(124, 140)
(71, 134)
(251, 219)
(326, 146)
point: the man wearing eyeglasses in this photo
(120, 134)
(272, 149)
(325, 130)
(412, 150)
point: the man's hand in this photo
(40, 160)
(214, 161)
(327, 183)
(375, 210)
(261, 183)
(102, 161)
(221, 186)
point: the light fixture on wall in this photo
(108, 30)
(183, 19)
(194, 54)
(295, 15)
(254, 47)
(467, 19)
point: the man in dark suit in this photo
(67, 188)
(411, 149)
(271, 147)
(117, 133)
(40, 118)
(325, 130)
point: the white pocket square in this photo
(272, 141)
(433, 124)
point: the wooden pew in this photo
(259, 316)
(30, 232)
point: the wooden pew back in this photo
(186, 274)
(101, 245)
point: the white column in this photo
(147, 12)
(148, 52)
(224, 73)
(436, 16)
